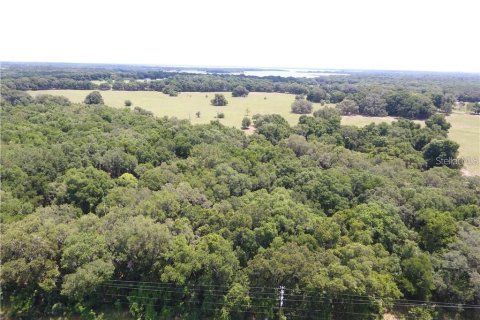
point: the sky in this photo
(422, 35)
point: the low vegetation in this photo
(219, 100)
(240, 91)
(302, 106)
(94, 97)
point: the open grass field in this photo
(186, 105)
(465, 130)
(465, 127)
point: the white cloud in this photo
(370, 34)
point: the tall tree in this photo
(94, 97)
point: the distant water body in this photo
(295, 73)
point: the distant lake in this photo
(296, 73)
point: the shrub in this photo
(246, 122)
(219, 100)
(301, 106)
(240, 91)
(348, 107)
(316, 95)
(94, 97)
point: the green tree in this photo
(348, 107)
(171, 90)
(87, 278)
(437, 229)
(274, 127)
(316, 95)
(372, 104)
(139, 245)
(94, 97)
(409, 105)
(246, 122)
(438, 122)
(441, 153)
(337, 96)
(116, 162)
(444, 102)
(476, 108)
(240, 91)
(219, 100)
(127, 180)
(327, 113)
(301, 106)
(417, 277)
(324, 122)
(457, 276)
(31, 249)
(86, 187)
(104, 86)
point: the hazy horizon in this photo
(435, 36)
(233, 67)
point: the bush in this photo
(348, 107)
(246, 122)
(94, 97)
(15, 97)
(219, 100)
(302, 106)
(104, 86)
(316, 95)
(409, 105)
(48, 99)
(440, 153)
(438, 122)
(221, 115)
(327, 113)
(240, 91)
(170, 90)
(475, 108)
(128, 103)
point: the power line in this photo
(159, 285)
(249, 311)
(299, 308)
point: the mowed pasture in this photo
(465, 127)
(187, 104)
(465, 131)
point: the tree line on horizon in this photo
(409, 96)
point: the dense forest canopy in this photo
(164, 219)
(116, 194)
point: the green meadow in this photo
(187, 104)
(466, 131)
(465, 127)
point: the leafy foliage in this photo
(99, 202)
(240, 91)
(219, 100)
(94, 97)
(301, 106)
